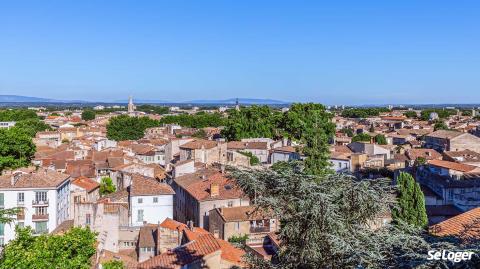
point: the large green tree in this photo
(17, 114)
(71, 250)
(311, 125)
(129, 128)
(253, 121)
(380, 139)
(88, 114)
(363, 137)
(32, 126)
(16, 148)
(326, 222)
(199, 120)
(411, 202)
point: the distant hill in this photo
(29, 99)
(245, 101)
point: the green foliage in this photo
(442, 113)
(152, 109)
(32, 126)
(199, 120)
(8, 215)
(113, 265)
(253, 121)
(17, 115)
(410, 114)
(128, 128)
(411, 202)
(241, 239)
(363, 137)
(312, 126)
(440, 125)
(106, 186)
(347, 131)
(200, 134)
(71, 250)
(326, 222)
(466, 113)
(362, 112)
(88, 114)
(16, 148)
(380, 139)
(253, 159)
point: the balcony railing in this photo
(40, 202)
(39, 217)
(265, 229)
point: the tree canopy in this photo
(106, 186)
(410, 114)
(380, 139)
(199, 120)
(16, 148)
(32, 126)
(442, 113)
(253, 121)
(363, 137)
(17, 114)
(128, 128)
(326, 221)
(88, 114)
(362, 112)
(70, 250)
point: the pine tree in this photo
(411, 202)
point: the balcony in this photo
(40, 203)
(39, 217)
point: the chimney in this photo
(214, 190)
(190, 225)
(429, 153)
(14, 178)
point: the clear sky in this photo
(340, 52)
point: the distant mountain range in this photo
(245, 101)
(29, 99)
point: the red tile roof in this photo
(463, 225)
(453, 166)
(86, 183)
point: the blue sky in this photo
(336, 52)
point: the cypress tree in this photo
(411, 202)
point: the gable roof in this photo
(41, 179)
(198, 144)
(186, 254)
(247, 145)
(466, 224)
(142, 185)
(86, 183)
(242, 213)
(427, 154)
(445, 134)
(453, 166)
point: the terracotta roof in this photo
(247, 145)
(63, 227)
(86, 183)
(198, 185)
(41, 179)
(128, 261)
(445, 134)
(342, 149)
(427, 154)
(242, 213)
(171, 224)
(463, 155)
(183, 255)
(287, 149)
(142, 185)
(231, 253)
(459, 225)
(80, 168)
(199, 143)
(146, 236)
(394, 118)
(340, 156)
(453, 166)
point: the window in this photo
(41, 210)
(237, 226)
(140, 215)
(2, 202)
(41, 227)
(230, 204)
(88, 219)
(155, 199)
(41, 196)
(20, 198)
(2, 229)
(140, 200)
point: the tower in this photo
(131, 107)
(237, 106)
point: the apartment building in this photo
(43, 197)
